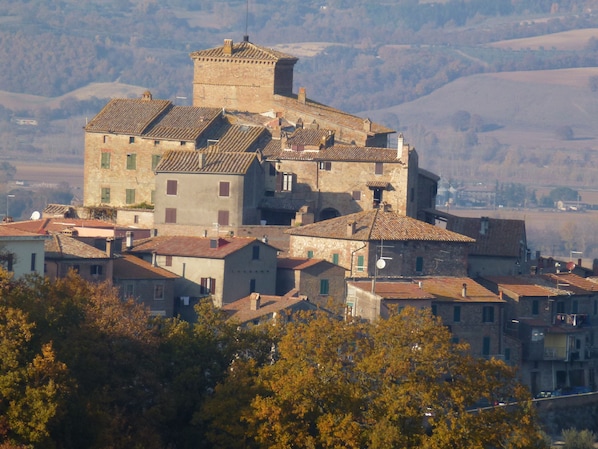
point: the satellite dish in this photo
(570, 266)
(380, 263)
(35, 215)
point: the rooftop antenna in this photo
(246, 36)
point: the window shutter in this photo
(171, 187)
(224, 188)
(279, 182)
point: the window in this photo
(272, 170)
(95, 270)
(208, 285)
(153, 196)
(171, 187)
(158, 292)
(486, 346)
(131, 139)
(224, 188)
(129, 291)
(223, 217)
(104, 139)
(535, 307)
(183, 143)
(325, 166)
(105, 195)
(575, 306)
(455, 340)
(357, 195)
(560, 307)
(76, 268)
(310, 254)
(251, 285)
(456, 314)
(155, 160)
(136, 219)
(287, 182)
(379, 169)
(324, 286)
(360, 263)
(488, 314)
(256, 253)
(170, 215)
(595, 307)
(105, 161)
(434, 309)
(131, 161)
(419, 264)
(335, 258)
(130, 196)
(156, 142)
(168, 261)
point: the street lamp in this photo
(7, 198)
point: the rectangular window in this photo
(158, 292)
(488, 314)
(595, 307)
(171, 186)
(379, 169)
(560, 307)
(33, 261)
(272, 170)
(183, 143)
(95, 270)
(434, 309)
(486, 346)
(419, 264)
(575, 306)
(131, 161)
(170, 215)
(105, 139)
(324, 286)
(256, 253)
(129, 290)
(535, 307)
(155, 160)
(224, 188)
(105, 161)
(325, 165)
(360, 263)
(136, 219)
(208, 285)
(357, 195)
(156, 142)
(105, 195)
(287, 182)
(456, 314)
(168, 261)
(310, 254)
(223, 217)
(251, 285)
(130, 196)
(131, 139)
(335, 258)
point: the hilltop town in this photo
(269, 203)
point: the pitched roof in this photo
(301, 263)
(377, 224)
(185, 123)
(58, 224)
(188, 246)
(244, 51)
(525, 285)
(192, 161)
(348, 153)
(133, 268)
(240, 310)
(7, 231)
(308, 136)
(451, 289)
(574, 280)
(501, 237)
(394, 290)
(241, 138)
(127, 116)
(62, 246)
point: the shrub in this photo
(579, 439)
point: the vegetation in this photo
(579, 439)
(81, 368)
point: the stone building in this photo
(382, 243)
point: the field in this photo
(35, 173)
(567, 40)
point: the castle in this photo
(248, 151)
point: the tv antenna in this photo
(246, 36)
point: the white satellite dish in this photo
(380, 263)
(35, 215)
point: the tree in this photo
(399, 382)
(460, 120)
(564, 132)
(579, 439)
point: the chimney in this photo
(146, 96)
(400, 144)
(154, 259)
(201, 159)
(129, 239)
(579, 262)
(367, 125)
(464, 290)
(110, 247)
(254, 301)
(245, 38)
(228, 47)
(301, 95)
(350, 228)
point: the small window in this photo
(486, 346)
(411, 194)
(96, 270)
(155, 160)
(252, 285)
(105, 139)
(131, 139)
(488, 314)
(287, 182)
(168, 261)
(575, 306)
(419, 264)
(335, 258)
(158, 292)
(456, 314)
(170, 215)
(208, 285)
(360, 263)
(272, 170)
(357, 195)
(129, 291)
(310, 254)
(136, 219)
(183, 143)
(224, 188)
(131, 161)
(130, 196)
(535, 307)
(76, 268)
(256, 253)
(223, 217)
(156, 142)
(379, 169)
(105, 161)
(171, 187)
(324, 286)
(327, 165)
(105, 195)
(507, 354)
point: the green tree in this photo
(579, 439)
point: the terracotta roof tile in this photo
(377, 224)
(451, 289)
(526, 285)
(394, 290)
(307, 136)
(62, 246)
(185, 123)
(127, 116)
(240, 310)
(241, 138)
(187, 246)
(350, 153)
(300, 263)
(132, 267)
(190, 161)
(243, 51)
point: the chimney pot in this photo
(464, 291)
(254, 301)
(350, 228)
(228, 47)
(301, 96)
